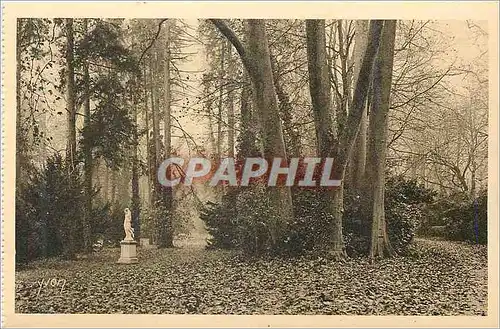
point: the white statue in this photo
(127, 226)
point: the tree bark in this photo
(290, 135)
(70, 95)
(327, 146)
(70, 251)
(382, 78)
(19, 115)
(166, 234)
(149, 157)
(230, 102)
(247, 147)
(256, 59)
(220, 108)
(88, 165)
(358, 159)
(136, 199)
(319, 86)
(156, 126)
(266, 105)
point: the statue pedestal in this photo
(128, 252)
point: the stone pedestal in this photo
(128, 252)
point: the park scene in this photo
(251, 166)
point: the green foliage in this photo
(244, 217)
(240, 221)
(466, 220)
(107, 221)
(312, 224)
(406, 204)
(44, 225)
(103, 43)
(110, 133)
(219, 219)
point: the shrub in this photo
(44, 225)
(312, 225)
(405, 206)
(466, 220)
(220, 221)
(242, 220)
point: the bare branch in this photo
(235, 41)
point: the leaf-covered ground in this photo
(438, 278)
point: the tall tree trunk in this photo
(70, 251)
(208, 110)
(19, 115)
(256, 59)
(266, 105)
(358, 159)
(319, 85)
(166, 234)
(155, 147)
(149, 157)
(70, 95)
(379, 118)
(340, 148)
(155, 144)
(290, 135)
(136, 200)
(343, 55)
(230, 102)
(247, 147)
(220, 108)
(88, 166)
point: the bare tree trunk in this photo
(221, 99)
(257, 61)
(149, 157)
(319, 85)
(380, 244)
(88, 165)
(156, 126)
(340, 148)
(166, 234)
(70, 251)
(70, 95)
(19, 115)
(266, 105)
(343, 55)
(358, 159)
(208, 110)
(136, 200)
(230, 102)
(290, 134)
(248, 132)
